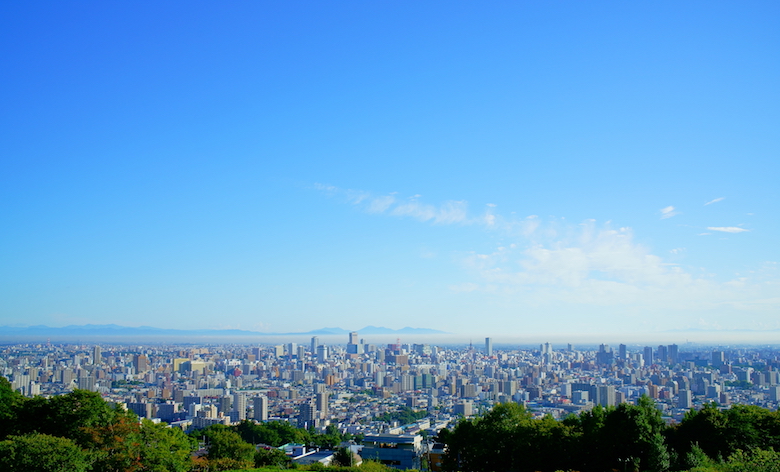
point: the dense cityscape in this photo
(380, 391)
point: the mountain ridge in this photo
(117, 330)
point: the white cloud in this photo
(380, 204)
(716, 200)
(668, 212)
(727, 229)
(549, 267)
(600, 270)
(447, 213)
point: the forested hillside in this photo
(626, 437)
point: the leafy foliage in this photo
(271, 457)
(41, 453)
(616, 438)
(405, 415)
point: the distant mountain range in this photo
(91, 330)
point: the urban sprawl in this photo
(360, 388)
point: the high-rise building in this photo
(239, 405)
(140, 363)
(718, 358)
(685, 399)
(322, 353)
(605, 395)
(353, 347)
(663, 354)
(260, 405)
(674, 356)
(622, 352)
(97, 357)
(307, 416)
(315, 342)
(648, 355)
(322, 403)
(225, 405)
(488, 346)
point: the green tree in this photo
(635, 431)
(492, 442)
(226, 444)
(163, 449)
(72, 416)
(10, 403)
(755, 460)
(42, 453)
(271, 457)
(344, 457)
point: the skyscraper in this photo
(673, 354)
(322, 353)
(239, 405)
(97, 356)
(261, 408)
(322, 403)
(488, 346)
(353, 347)
(648, 355)
(140, 363)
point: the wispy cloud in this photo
(545, 266)
(727, 229)
(719, 199)
(668, 212)
(448, 212)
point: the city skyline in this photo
(538, 171)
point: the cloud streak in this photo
(553, 267)
(728, 229)
(716, 200)
(668, 212)
(449, 212)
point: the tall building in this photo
(322, 403)
(685, 399)
(322, 353)
(488, 346)
(315, 342)
(307, 416)
(718, 358)
(225, 405)
(97, 357)
(663, 354)
(605, 395)
(261, 408)
(353, 347)
(140, 363)
(674, 356)
(622, 352)
(648, 355)
(239, 405)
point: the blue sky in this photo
(511, 167)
